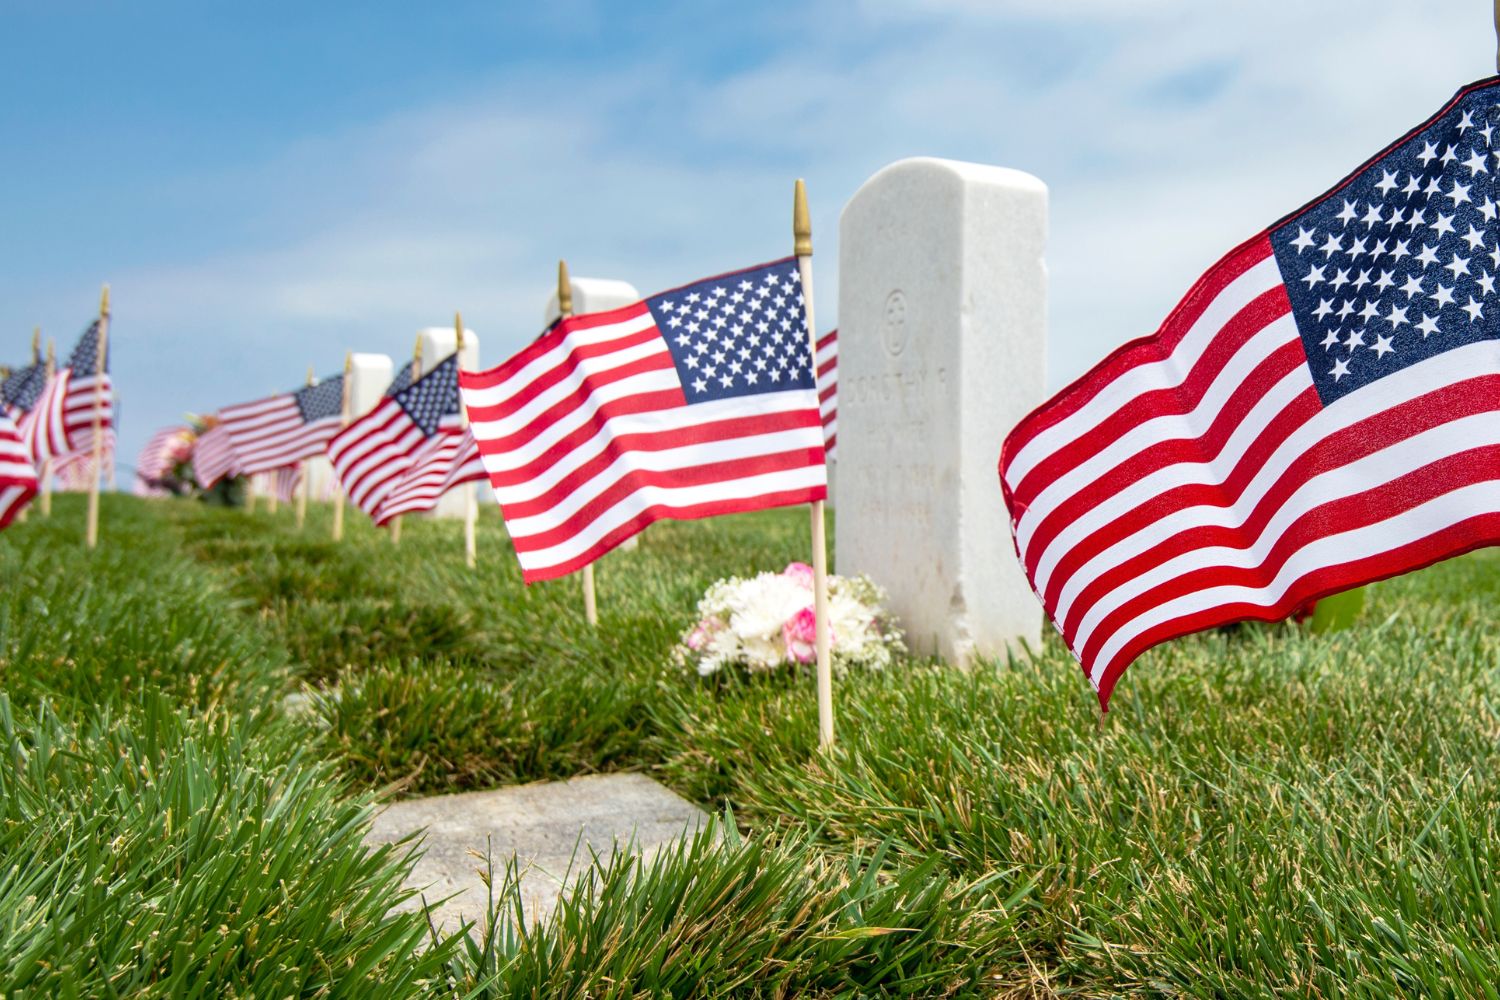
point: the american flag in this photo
(282, 430)
(76, 471)
(214, 457)
(62, 420)
(1317, 413)
(828, 389)
(21, 389)
(167, 447)
(449, 458)
(409, 443)
(17, 476)
(695, 402)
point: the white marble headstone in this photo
(592, 295)
(369, 376)
(942, 349)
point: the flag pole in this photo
(45, 472)
(564, 310)
(338, 508)
(416, 373)
(91, 536)
(303, 488)
(802, 247)
(471, 500)
(36, 357)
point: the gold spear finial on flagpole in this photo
(36, 345)
(104, 300)
(566, 285)
(802, 221)
(802, 247)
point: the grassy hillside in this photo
(1263, 813)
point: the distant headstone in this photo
(369, 376)
(591, 295)
(437, 343)
(942, 349)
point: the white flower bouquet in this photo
(766, 623)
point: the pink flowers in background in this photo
(766, 622)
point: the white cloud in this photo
(1168, 133)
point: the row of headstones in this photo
(942, 350)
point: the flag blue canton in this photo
(84, 360)
(1400, 263)
(401, 381)
(432, 397)
(24, 387)
(318, 402)
(738, 335)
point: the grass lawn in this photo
(1263, 813)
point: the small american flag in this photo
(449, 458)
(282, 430)
(21, 390)
(414, 432)
(17, 475)
(62, 419)
(162, 452)
(76, 472)
(1319, 412)
(214, 457)
(696, 402)
(828, 389)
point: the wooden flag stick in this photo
(303, 488)
(91, 534)
(36, 357)
(338, 507)
(416, 373)
(1497, 35)
(802, 246)
(564, 310)
(45, 472)
(471, 499)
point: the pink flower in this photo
(705, 631)
(800, 635)
(799, 573)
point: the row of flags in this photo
(1316, 413)
(48, 416)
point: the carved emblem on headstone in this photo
(894, 328)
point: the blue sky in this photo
(268, 185)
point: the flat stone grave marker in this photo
(942, 349)
(545, 826)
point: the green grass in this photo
(1264, 812)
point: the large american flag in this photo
(17, 475)
(62, 420)
(695, 402)
(282, 430)
(1320, 411)
(828, 389)
(214, 457)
